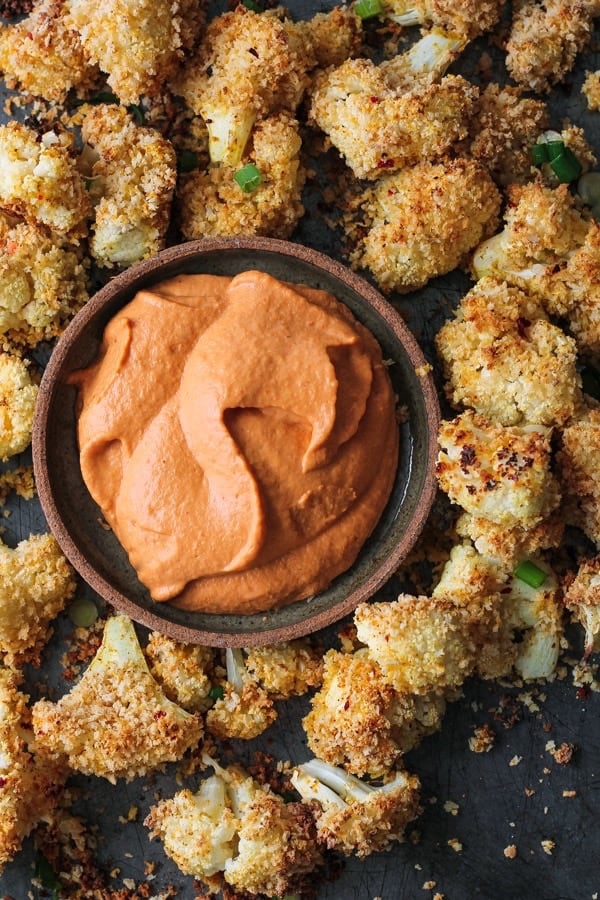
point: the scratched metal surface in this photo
(511, 795)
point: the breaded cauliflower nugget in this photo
(43, 282)
(356, 817)
(133, 178)
(245, 710)
(248, 66)
(502, 131)
(139, 44)
(288, 669)
(579, 473)
(42, 54)
(468, 17)
(18, 395)
(422, 221)
(360, 722)
(582, 599)
(544, 40)
(501, 473)
(30, 783)
(333, 36)
(212, 204)
(236, 831)
(508, 545)
(425, 644)
(36, 582)
(502, 357)
(377, 128)
(116, 722)
(183, 671)
(39, 179)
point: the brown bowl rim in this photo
(127, 279)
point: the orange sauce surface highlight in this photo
(240, 437)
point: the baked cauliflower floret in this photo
(39, 179)
(502, 131)
(422, 221)
(471, 18)
(29, 782)
(116, 722)
(212, 204)
(43, 282)
(288, 669)
(18, 395)
(184, 671)
(508, 545)
(425, 643)
(582, 599)
(542, 227)
(378, 128)
(502, 357)
(333, 36)
(235, 830)
(245, 710)
(360, 722)
(579, 474)
(36, 581)
(132, 182)
(544, 40)
(500, 473)
(42, 54)
(358, 817)
(246, 68)
(535, 615)
(139, 44)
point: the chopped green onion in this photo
(83, 612)
(554, 148)
(187, 161)
(248, 178)
(47, 876)
(137, 112)
(539, 154)
(368, 9)
(566, 166)
(530, 573)
(217, 692)
(590, 382)
(252, 6)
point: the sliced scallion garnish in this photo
(83, 612)
(566, 166)
(539, 154)
(531, 574)
(216, 692)
(368, 9)
(248, 178)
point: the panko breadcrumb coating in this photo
(425, 643)
(591, 90)
(242, 713)
(501, 132)
(29, 782)
(246, 68)
(333, 36)
(43, 282)
(212, 204)
(42, 54)
(422, 221)
(378, 129)
(132, 177)
(469, 17)
(18, 395)
(39, 179)
(288, 669)
(182, 670)
(116, 722)
(544, 40)
(500, 473)
(236, 831)
(502, 357)
(579, 474)
(582, 599)
(508, 545)
(36, 582)
(139, 44)
(362, 723)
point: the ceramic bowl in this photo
(75, 519)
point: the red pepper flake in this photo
(11, 247)
(583, 693)
(375, 99)
(385, 164)
(3, 781)
(347, 705)
(160, 714)
(522, 326)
